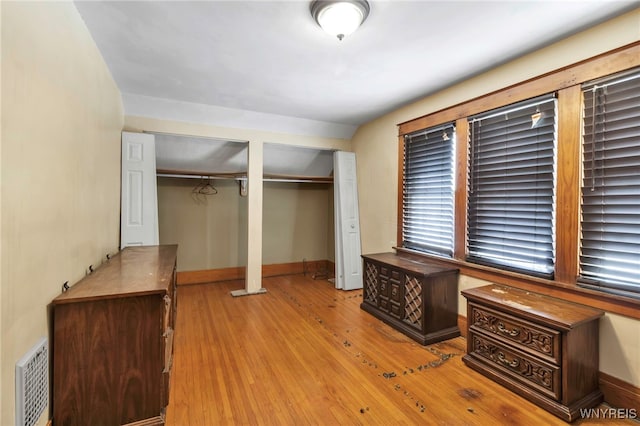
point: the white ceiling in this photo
(270, 57)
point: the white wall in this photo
(61, 126)
(376, 145)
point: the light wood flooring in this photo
(305, 353)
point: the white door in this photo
(347, 222)
(139, 199)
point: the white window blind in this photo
(427, 206)
(512, 164)
(610, 203)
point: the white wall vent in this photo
(32, 384)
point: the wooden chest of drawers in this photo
(544, 349)
(113, 341)
(416, 298)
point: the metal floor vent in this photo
(32, 384)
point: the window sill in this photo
(567, 291)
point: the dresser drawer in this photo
(545, 342)
(533, 372)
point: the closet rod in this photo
(202, 176)
(187, 173)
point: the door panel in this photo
(347, 222)
(139, 209)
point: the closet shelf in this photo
(289, 178)
(267, 177)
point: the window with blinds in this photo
(427, 202)
(511, 187)
(610, 202)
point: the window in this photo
(427, 208)
(558, 235)
(511, 188)
(610, 202)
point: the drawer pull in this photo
(513, 332)
(503, 359)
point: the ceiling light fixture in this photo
(339, 17)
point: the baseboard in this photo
(619, 393)
(210, 275)
(305, 267)
(462, 325)
(238, 273)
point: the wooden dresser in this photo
(416, 298)
(542, 348)
(113, 341)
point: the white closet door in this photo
(139, 199)
(347, 222)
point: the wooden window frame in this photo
(567, 83)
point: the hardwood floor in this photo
(305, 353)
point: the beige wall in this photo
(61, 126)
(296, 222)
(211, 230)
(376, 147)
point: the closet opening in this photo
(298, 210)
(202, 205)
(202, 195)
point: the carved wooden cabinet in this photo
(544, 349)
(416, 298)
(113, 341)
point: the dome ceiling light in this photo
(339, 17)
